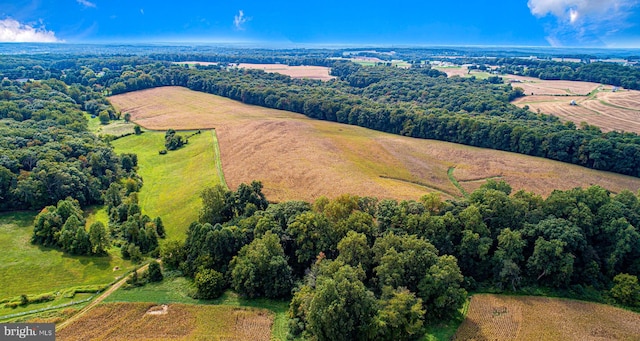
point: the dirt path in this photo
(98, 300)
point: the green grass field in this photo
(115, 128)
(30, 269)
(177, 289)
(172, 182)
(480, 74)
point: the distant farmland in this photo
(605, 109)
(596, 104)
(498, 318)
(536, 86)
(299, 158)
(299, 71)
(146, 321)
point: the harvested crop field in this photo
(300, 71)
(493, 317)
(299, 158)
(605, 109)
(146, 321)
(538, 86)
(297, 71)
(451, 71)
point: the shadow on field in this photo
(469, 330)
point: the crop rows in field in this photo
(535, 86)
(493, 317)
(619, 111)
(137, 321)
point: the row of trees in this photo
(363, 268)
(599, 72)
(63, 226)
(136, 233)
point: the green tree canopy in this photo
(261, 270)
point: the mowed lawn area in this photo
(30, 269)
(172, 182)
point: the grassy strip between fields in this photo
(455, 182)
(444, 331)
(218, 159)
(20, 316)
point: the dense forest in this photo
(46, 152)
(362, 268)
(50, 161)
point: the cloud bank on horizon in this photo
(13, 31)
(580, 22)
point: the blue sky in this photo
(610, 23)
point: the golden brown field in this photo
(299, 158)
(451, 71)
(493, 317)
(301, 71)
(605, 109)
(145, 321)
(538, 86)
(298, 71)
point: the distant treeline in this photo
(599, 72)
(418, 102)
(605, 73)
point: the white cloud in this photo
(239, 20)
(587, 21)
(13, 31)
(86, 3)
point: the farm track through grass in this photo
(455, 182)
(218, 160)
(432, 188)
